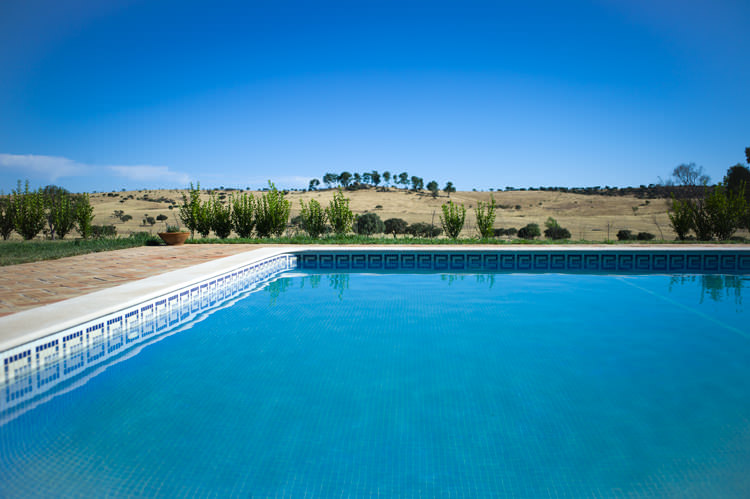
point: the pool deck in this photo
(36, 296)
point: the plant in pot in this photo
(174, 236)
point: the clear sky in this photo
(129, 94)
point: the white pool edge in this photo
(33, 324)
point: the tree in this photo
(313, 218)
(60, 216)
(395, 226)
(485, 213)
(387, 177)
(339, 215)
(432, 186)
(221, 218)
(84, 215)
(191, 204)
(736, 176)
(375, 177)
(329, 179)
(417, 183)
(449, 188)
(28, 207)
(313, 186)
(747, 154)
(271, 212)
(367, 177)
(344, 178)
(243, 214)
(453, 218)
(368, 224)
(726, 211)
(7, 216)
(203, 219)
(403, 179)
(690, 175)
(681, 217)
(357, 178)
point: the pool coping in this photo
(32, 324)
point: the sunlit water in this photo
(409, 385)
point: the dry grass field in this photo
(588, 217)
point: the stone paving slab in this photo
(30, 285)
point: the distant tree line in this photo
(355, 181)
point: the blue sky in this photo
(131, 94)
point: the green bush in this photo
(190, 208)
(395, 226)
(421, 229)
(7, 217)
(554, 231)
(485, 213)
(726, 211)
(271, 213)
(529, 231)
(313, 218)
(453, 219)
(368, 224)
(505, 232)
(204, 219)
(243, 214)
(680, 217)
(102, 231)
(339, 215)
(625, 235)
(84, 215)
(221, 218)
(28, 207)
(645, 236)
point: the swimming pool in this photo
(320, 378)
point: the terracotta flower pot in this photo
(174, 238)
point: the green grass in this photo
(15, 252)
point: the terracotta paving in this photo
(31, 285)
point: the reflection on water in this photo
(717, 288)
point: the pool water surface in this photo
(451, 385)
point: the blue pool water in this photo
(414, 385)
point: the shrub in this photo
(680, 217)
(271, 212)
(505, 232)
(221, 218)
(485, 213)
(625, 235)
(101, 231)
(84, 215)
(420, 229)
(368, 224)
(338, 213)
(554, 231)
(453, 219)
(203, 219)
(149, 220)
(7, 216)
(395, 226)
(726, 211)
(529, 231)
(161, 217)
(125, 218)
(28, 207)
(243, 210)
(313, 218)
(645, 236)
(191, 205)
